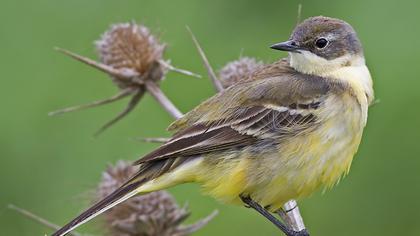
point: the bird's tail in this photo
(151, 177)
(121, 194)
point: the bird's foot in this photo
(286, 230)
(291, 232)
(298, 233)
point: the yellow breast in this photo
(319, 158)
(333, 145)
(302, 163)
(322, 157)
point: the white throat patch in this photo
(349, 68)
(310, 63)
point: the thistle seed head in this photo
(238, 70)
(128, 46)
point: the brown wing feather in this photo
(275, 102)
(237, 132)
(276, 83)
(204, 138)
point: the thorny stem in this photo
(38, 219)
(119, 73)
(133, 102)
(133, 77)
(216, 83)
(178, 70)
(299, 14)
(164, 101)
(122, 94)
(200, 223)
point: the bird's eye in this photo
(321, 43)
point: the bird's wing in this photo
(276, 107)
(273, 105)
(275, 84)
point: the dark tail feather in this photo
(118, 196)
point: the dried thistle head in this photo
(133, 57)
(152, 214)
(133, 47)
(237, 70)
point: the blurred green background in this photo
(50, 165)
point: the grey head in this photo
(326, 37)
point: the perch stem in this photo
(257, 207)
(291, 216)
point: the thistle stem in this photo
(38, 219)
(123, 74)
(178, 70)
(133, 102)
(122, 94)
(216, 82)
(164, 101)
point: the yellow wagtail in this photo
(289, 128)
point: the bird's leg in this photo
(286, 230)
(252, 204)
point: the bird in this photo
(282, 132)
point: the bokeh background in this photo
(50, 165)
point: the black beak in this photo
(288, 46)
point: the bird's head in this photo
(321, 44)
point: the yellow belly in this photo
(295, 169)
(317, 161)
